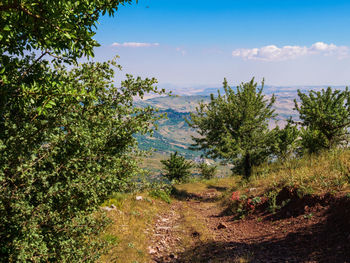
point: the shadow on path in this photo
(328, 240)
(183, 195)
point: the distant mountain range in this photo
(268, 89)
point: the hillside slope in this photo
(297, 211)
(174, 134)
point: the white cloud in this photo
(274, 53)
(135, 44)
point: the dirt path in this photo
(319, 233)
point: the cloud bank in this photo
(135, 44)
(274, 53)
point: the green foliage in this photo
(161, 194)
(59, 166)
(207, 171)
(287, 141)
(272, 201)
(177, 168)
(66, 136)
(116, 199)
(62, 28)
(325, 117)
(234, 126)
(312, 141)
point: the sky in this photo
(200, 42)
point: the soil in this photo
(310, 229)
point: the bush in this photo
(177, 168)
(160, 194)
(207, 171)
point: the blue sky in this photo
(185, 43)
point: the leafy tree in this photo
(325, 116)
(287, 142)
(207, 171)
(66, 136)
(58, 167)
(177, 168)
(234, 126)
(34, 33)
(62, 28)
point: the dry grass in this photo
(131, 228)
(244, 259)
(153, 164)
(202, 186)
(328, 172)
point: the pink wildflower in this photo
(235, 196)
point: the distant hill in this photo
(174, 134)
(183, 103)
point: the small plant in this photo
(272, 196)
(131, 245)
(116, 199)
(135, 213)
(207, 171)
(243, 204)
(161, 194)
(235, 196)
(111, 239)
(308, 216)
(256, 200)
(285, 202)
(177, 168)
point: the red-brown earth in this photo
(308, 229)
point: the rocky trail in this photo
(317, 231)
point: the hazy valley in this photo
(174, 134)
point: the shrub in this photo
(160, 194)
(177, 168)
(207, 171)
(241, 204)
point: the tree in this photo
(176, 167)
(325, 117)
(62, 28)
(57, 167)
(234, 126)
(66, 135)
(35, 33)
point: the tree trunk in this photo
(247, 166)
